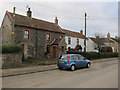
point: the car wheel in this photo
(72, 68)
(60, 68)
(88, 65)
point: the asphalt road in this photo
(100, 75)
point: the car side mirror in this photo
(84, 58)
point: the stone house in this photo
(41, 39)
(106, 42)
(115, 42)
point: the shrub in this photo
(12, 48)
(95, 55)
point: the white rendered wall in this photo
(74, 42)
(90, 44)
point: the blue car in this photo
(72, 62)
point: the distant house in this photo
(118, 46)
(106, 42)
(91, 45)
(115, 42)
(40, 38)
(75, 40)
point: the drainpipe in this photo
(13, 25)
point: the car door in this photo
(76, 60)
(82, 61)
(79, 61)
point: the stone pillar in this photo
(25, 51)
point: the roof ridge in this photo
(71, 31)
(35, 22)
(32, 18)
(59, 27)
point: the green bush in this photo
(95, 55)
(11, 48)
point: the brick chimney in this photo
(116, 37)
(81, 31)
(108, 35)
(29, 13)
(56, 20)
(97, 37)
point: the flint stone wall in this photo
(11, 60)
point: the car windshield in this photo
(64, 57)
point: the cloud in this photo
(102, 16)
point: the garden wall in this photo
(11, 60)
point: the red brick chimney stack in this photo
(81, 31)
(108, 35)
(56, 20)
(116, 37)
(29, 13)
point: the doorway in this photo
(54, 52)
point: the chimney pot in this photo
(29, 13)
(14, 10)
(28, 9)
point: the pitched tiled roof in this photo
(73, 34)
(100, 41)
(115, 39)
(57, 41)
(35, 23)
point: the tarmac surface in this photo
(41, 68)
(102, 74)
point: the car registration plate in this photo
(61, 62)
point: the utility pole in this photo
(85, 34)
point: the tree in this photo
(100, 35)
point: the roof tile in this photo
(35, 23)
(73, 34)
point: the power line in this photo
(53, 8)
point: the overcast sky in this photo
(102, 16)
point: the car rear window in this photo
(75, 57)
(64, 57)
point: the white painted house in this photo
(91, 46)
(73, 39)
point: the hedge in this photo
(95, 55)
(11, 48)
